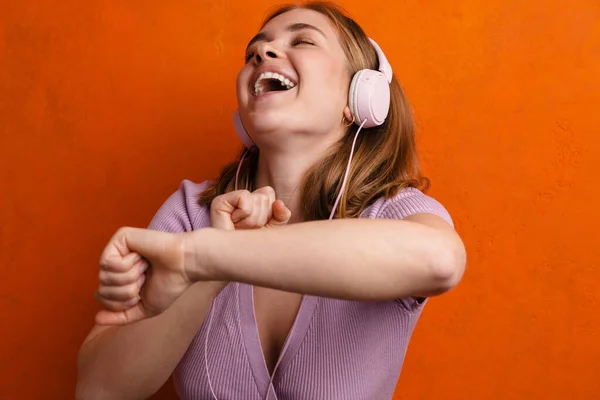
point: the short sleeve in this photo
(412, 201)
(182, 212)
(407, 202)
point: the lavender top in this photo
(336, 349)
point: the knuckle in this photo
(246, 195)
(266, 191)
(103, 277)
(99, 295)
(243, 197)
(224, 196)
(121, 231)
(216, 201)
(103, 261)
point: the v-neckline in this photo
(251, 337)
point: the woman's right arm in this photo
(134, 361)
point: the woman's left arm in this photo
(355, 259)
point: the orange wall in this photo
(106, 105)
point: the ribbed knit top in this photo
(336, 349)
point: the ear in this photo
(348, 114)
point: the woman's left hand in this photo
(166, 280)
(242, 209)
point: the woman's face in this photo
(309, 90)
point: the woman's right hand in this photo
(123, 281)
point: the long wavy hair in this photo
(385, 157)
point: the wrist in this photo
(201, 249)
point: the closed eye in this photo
(302, 40)
(295, 42)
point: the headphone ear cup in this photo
(369, 97)
(352, 96)
(241, 130)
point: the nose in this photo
(265, 51)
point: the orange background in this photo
(106, 105)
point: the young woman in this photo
(301, 272)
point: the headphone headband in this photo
(384, 65)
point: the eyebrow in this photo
(291, 28)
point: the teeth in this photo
(272, 75)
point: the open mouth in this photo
(272, 82)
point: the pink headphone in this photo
(369, 97)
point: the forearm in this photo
(133, 361)
(349, 259)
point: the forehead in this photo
(303, 16)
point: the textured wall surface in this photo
(106, 105)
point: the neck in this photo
(284, 172)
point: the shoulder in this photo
(409, 201)
(182, 212)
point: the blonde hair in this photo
(385, 157)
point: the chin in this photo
(268, 121)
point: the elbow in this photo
(91, 387)
(86, 391)
(448, 266)
(83, 392)
(85, 388)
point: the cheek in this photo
(330, 84)
(241, 84)
(332, 91)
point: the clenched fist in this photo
(127, 291)
(242, 209)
